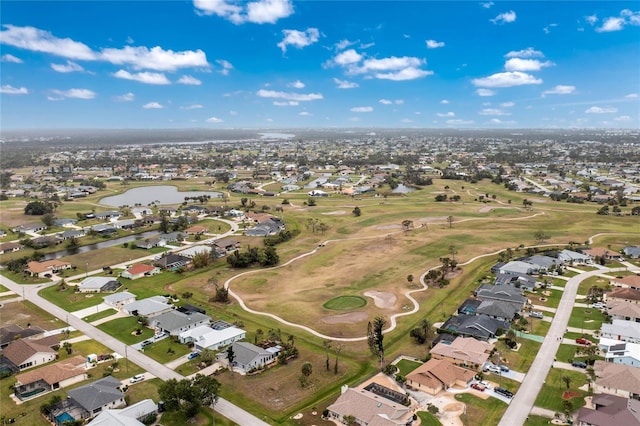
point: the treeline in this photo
(254, 255)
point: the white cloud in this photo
(600, 110)
(10, 58)
(389, 64)
(347, 57)
(432, 44)
(75, 93)
(127, 97)
(362, 109)
(592, 19)
(632, 96)
(506, 79)
(487, 4)
(305, 113)
(152, 105)
(507, 104)
(498, 121)
(155, 58)
(390, 68)
(143, 77)
(298, 39)
(399, 101)
(444, 101)
(611, 24)
(68, 67)
(343, 44)
(297, 84)
(193, 106)
(38, 40)
(505, 18)
(446, 114)
(622, 118)
(547, 29)
(189, 80)
(7, 89)
(226, 66)
(286, 103)
(459, 122)
(214, 120)
(257, 12)
(406, 120)
(518, 64)
(385, 102)
(493, 111)
(409, 73)
(529, 52)
(289, 95)
(560, 90)
(485, 92)
(344, 84)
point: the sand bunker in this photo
(349, 318)
(392, 226)
(382, 299)
(336, 213)
(485, 209)
(454, 407)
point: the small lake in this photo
(159, 194)
(403, 189)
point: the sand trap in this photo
(349, 318)
(392, 226)
(485, 209)
(382, 299)
(453, 407)
(336, 213)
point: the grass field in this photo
(406, 366)
(166, 350)
(428, 419)
(70, 299)
(345, 303)
(99, 315)
(587, 318)
(481, 412)
(123, 328)
(550, 396)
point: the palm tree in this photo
(567, 381)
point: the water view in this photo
(158, 194)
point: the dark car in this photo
(145, 343)
(579, 364)
(504, 392)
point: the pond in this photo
(403, 189)
(158, 194)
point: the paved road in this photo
(30, 293)
(522, 402)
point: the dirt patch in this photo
(349, 318)
(23, 314)
(336, 213)
(382, 299)
(392, 226)
(570, 394)
(485, 209)
(453, 407)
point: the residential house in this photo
(12, 332)
(250, 357)
(113, 214)
(27, 353)
(632, 252)
(65, 223)
(227, 244)
(103, 394)
(70, 233)
(29, 228)
(10, 247)
(496, 292)
(620, 352)
(103, 229)
(40, 269)
(175, 322)
(149, 307)
(118, 300)
(622, 294)
(624, 311)
(630, 281)
(205, 337)
(368, 408)
(140, 270)
(125, 224)
(98, 285)
(617, 379)
(607, 410)
(517, 267)
(44, 241)
(172, 261)
(499, 309)
(193, 250)
(436, 375)
(517, 280)
(133, 415)
(479, 326)
(465, 351)
(51, 377)
(573, 257)
(196, 230)
(627, 331)
(172, 237)
(149, 243)
(602, 252)
(542, 264)
(271, 226)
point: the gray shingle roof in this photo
(97, 394)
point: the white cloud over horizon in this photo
(214, 120)
(10, 58)
(256, 12)
(67, 68)
(506, 79)
(344, 84)
(519, 64)
(126, 97)
(8, 89)
(143, 77)
(601, 110)
(75, 93)
(153, 105)
(505, 18)
(289, 95)
(298, 39)
(433, 44)
(560, 89)
(189, 80)
(362, 109)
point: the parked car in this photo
(192, 355)
(504, 368)
(485, 384)
(145, 343)
(583, 341)
(579, 364)
(137, 378)
(536, 314)
(493, 368)
(599, 305)
(478, 387)
(504, 392)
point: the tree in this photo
(567, 381)
(407, 225)
(67, 347)
(337, 349)
(259, 336)
(72, 243)
(326, 344)
(410, 278)
(188, 395)
(164, 224)
(540, 236)
(37, 208)
(453, 251)
(375, 337)
(356, 211)
(450, 221)
(446, 264)
(200, 259)
(526, 204)
(306, 370)
(48, 219)
(231, 356)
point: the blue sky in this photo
(284, 64)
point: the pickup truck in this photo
(583, 341)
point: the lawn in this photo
(537, 421)
(406, 366)
(550, 395)
(166, 350)
(345, 303)
(521, 359)
(100, 315)
(25, 313)
(23, 278)
(428, 419)
(552, 297)
(122, 329)
(481, 412)
(3, 288)
(587, 318)
(71, 300)
(585, 285)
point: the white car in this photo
(137, 378)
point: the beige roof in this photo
(630, 280)
(622, 308)
(440, 370)
(55, 373)
(368, 407)
(623, 293)
(464, 349)
(23, 349)
(617, 376)
(47, 265)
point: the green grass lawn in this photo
(3, 288)
(521, 359)
(121, 328)
(166, 350)
(428, 419)
(550, 395)
(481, 412)
(406, 366)
(22, 278)
(585, 285)
(100, 315)
(586, 318)
(344, 303)
(537, 421)
(71, 300)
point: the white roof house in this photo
(628, 331)
(98, 284)
(149, 307)
(193, 250)
(205, 337)
(117, 300)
